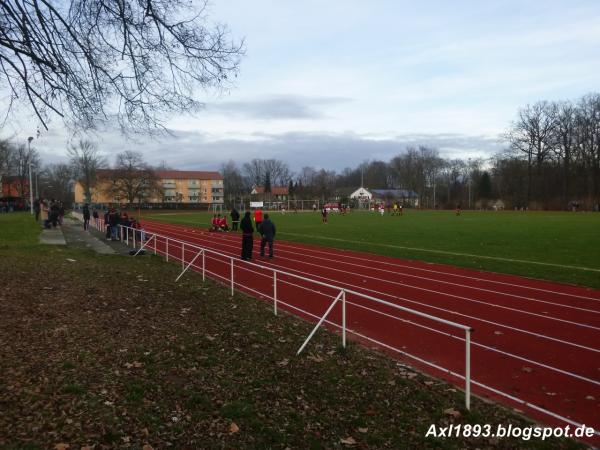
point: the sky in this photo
(334, 83)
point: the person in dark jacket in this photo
(86, 217)
(37, 209)
(235, 219)
(114, 220)
(267, 232)
(247, 239)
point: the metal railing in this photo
(148, 240)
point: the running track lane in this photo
(534, 340)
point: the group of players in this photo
(219, 222)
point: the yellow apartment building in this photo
(179, 187)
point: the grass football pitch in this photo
(557, 246)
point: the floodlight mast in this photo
(29, 139)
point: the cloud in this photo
(277, 107)
(188, 150)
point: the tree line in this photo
(554, 156)
(434, 179)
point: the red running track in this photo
(534, 341)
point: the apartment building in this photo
(179, 187)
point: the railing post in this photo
(167, 248)
(468, 369)
(275, 292)
(231, 276)
(343, 318)
(127, 237)
(121, 227)
(133, 235)
(203, 267)
(183, 254)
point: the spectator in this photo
(113, 219)
(36, 209)
(214, 224)
(86, 217)
(54, 213)
(267, 233)
(258, 217)
(247, 238)
(235, 219)
(223, 223)
(61, 213)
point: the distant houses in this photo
(276, 194)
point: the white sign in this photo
(256, 204)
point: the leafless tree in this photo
(56, 181)
(85, 161)
(6, 156)
(135, 61)
(234, 186)
(565, 141)
(22, 157)
(533, 134)
(588, 141)
(257, 169)
(132, 179)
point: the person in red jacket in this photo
(258, 217)
(223, 223)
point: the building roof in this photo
(14, 179)
(174, 174)
(275, 190)
(189, 174)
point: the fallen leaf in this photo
(428, 383)
(233, 428)
(61, 446)
(498, 332)
(527, 369)
(363, 430)
(285, 362)
(147, 447)
(590, 397)
(452, 412)
(348, 441)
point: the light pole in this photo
(29, 139)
